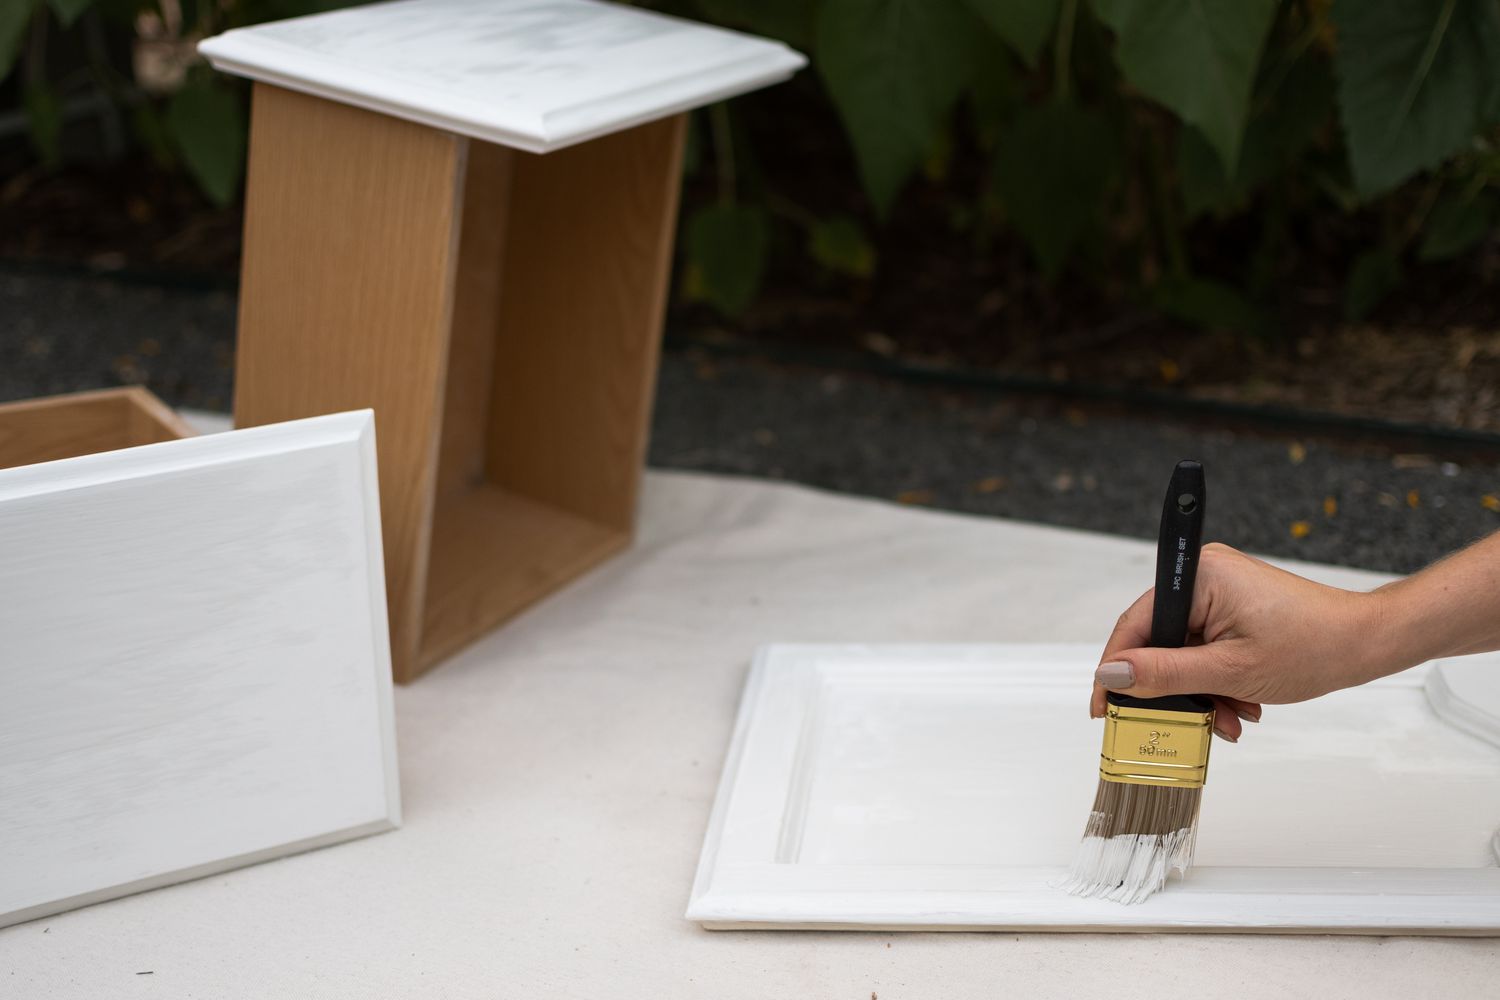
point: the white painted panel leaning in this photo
(194, 669)
(537, 75)
(944, 787)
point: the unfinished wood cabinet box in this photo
(84, 423)
(461, 214)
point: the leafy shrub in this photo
(1114, 124)
(181, 111)
(1125, 122)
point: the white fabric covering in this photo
(557, 778)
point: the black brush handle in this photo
(1178, 548)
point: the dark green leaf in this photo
(1025, 24)
(1299, 108)
(44, 118)
(208, 125)
(279, 9)
(1052, 172)
(1374, 275)
(789, 20)
(1209, 303)
(1455, 224)
(993, 97)
(1198, 57)
(67, 11)
(15, 15)
(121, 12)
(692, 144)
(726, 256)
(1205, 185)
(840, 245)
(894, 69)
(1417, 80)
(1281, 126)
(151, 131)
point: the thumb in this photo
(1149, 672)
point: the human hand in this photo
(1257, 635)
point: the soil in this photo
(130, 216)
(943, 294)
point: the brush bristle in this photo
(1135, 837)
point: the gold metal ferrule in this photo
(1149, 746)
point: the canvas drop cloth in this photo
(557, 779)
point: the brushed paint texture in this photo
(194, 664)
(532, 74)
(946, 787)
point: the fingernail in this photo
(1247, 717)
(1115, 675)
(1225, 736)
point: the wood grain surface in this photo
(82, 423)
(585, 283)
(476, 317)
(495, 553)
(346, 297)
(500, 311)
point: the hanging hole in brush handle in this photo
(1179, 546)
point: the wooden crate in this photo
(461, 216)
(501, 314)
(82, 423)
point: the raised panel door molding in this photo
(536, 75)
(194, 668)
(946, 787)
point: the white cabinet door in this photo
(946, 787)
(194, 669)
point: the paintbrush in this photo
(1155, 756)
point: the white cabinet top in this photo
(533, 74)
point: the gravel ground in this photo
(1010, 456)
(63, 333)
(1354, 505)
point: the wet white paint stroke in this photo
(947, 786)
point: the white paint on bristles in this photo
(1128, 868)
